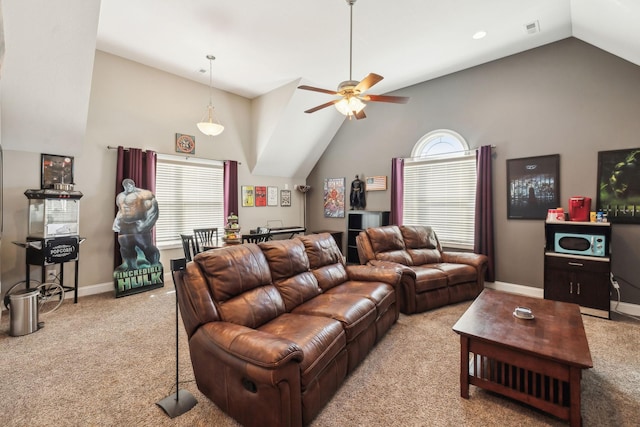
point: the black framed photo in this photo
(56, 169)
(619, 185)
(285, 198)
(533, 186)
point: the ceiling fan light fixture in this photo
(350, 106)
(351, 91)
(208, 125)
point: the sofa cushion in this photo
(320, 338)
(325, 260)
(422, 244)
(289, 266)
(457, 273)
(381, 294)
(388, 244)
(429, 278)
(355, 312)
(240, 284)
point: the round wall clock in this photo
(185, 144)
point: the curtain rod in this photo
(443, 154)
(111, 147)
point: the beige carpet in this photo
(107, 361)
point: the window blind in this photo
(190, 194)
(441, 193)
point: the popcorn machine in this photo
(54, 228)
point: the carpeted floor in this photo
(107, 361)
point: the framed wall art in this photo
(247, 195)
(55, 169)
(376, 183)
(261, 195)
(533, 186)
(185, 144)
(285, 198)
(334, 197)
(619, 185)
(272, 196)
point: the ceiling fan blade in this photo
(367, 82)
(360, 115)
(386, 98)
(317, 89)
(320, 107)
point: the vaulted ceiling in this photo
(264, 48)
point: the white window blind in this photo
(441, 193)
(190, 194)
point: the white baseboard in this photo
(102, 288)
(516, 289)
(622, 307)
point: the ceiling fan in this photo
(351, 102)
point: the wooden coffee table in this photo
(538, 361)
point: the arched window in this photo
(440, 142)
(440, 187)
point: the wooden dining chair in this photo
(261, 235)
(205, 237)
(188, 246)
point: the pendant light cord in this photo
(210, 58)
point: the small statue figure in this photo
(357, 197)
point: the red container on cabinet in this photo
(579, 208)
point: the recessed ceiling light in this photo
(479, 35)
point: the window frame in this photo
(430, 160)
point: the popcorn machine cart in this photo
(53, 234)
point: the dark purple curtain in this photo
(484, 242)
(230, 188)
(397, 191)
(140, 166)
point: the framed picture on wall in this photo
(272, 196)
(285, 198)
(619, 185)
(376, 183)
(533, 186)
(56, 169)
(185, 144)
(334, 197)
(261, 196)
(247, 195)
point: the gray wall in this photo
(567, 98)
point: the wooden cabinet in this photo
(577, 278)
(358, 221)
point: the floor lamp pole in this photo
(181, 401)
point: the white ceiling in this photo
(262, 46)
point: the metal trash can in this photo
(23, 311)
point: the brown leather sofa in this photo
(432, 277)
(275, 328)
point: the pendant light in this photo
(208, 125)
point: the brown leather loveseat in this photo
(433, 277)
(275, 328)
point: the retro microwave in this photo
(580, 244)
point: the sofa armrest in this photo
(407, 286)
(390, 273)
(469, 258)
(252, 346)
(390, 264)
